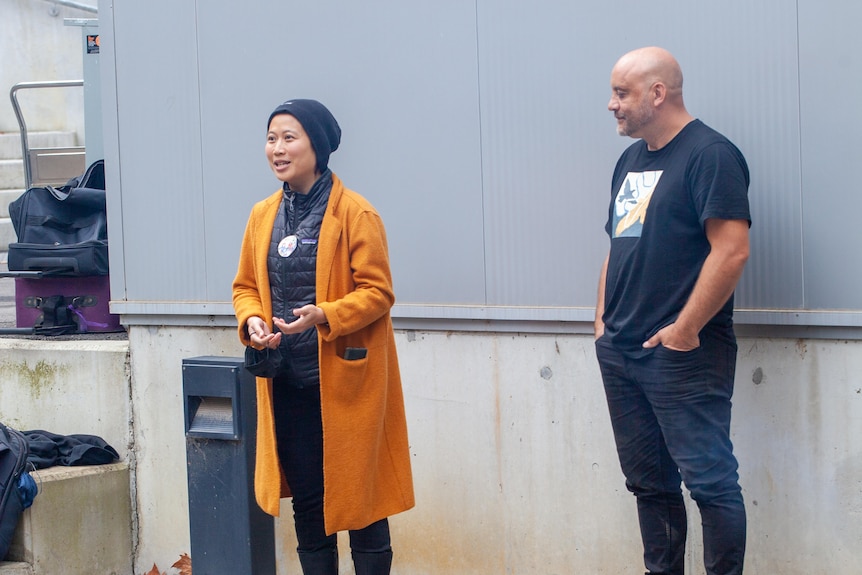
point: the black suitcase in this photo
(60, 261)
(62, 231)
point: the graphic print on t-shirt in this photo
(630, 206)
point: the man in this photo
(678, 224)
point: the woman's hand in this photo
(309, 316)
(260, 335)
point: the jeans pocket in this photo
(678, 365)
(674, 354)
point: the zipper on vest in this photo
(291, 213)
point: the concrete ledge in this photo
(80, 522)
(67, 387)
(15, 568)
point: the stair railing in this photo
(47, 165)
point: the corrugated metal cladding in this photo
(480, 131)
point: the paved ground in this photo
(8, 319)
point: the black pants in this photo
(299, 432)
(670, 413)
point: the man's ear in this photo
(658, 93)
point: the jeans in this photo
(299, 433)
(670, 413)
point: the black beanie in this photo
(318, 123)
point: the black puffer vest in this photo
(292, 265)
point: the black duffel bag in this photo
(62, 231)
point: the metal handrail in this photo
(13, 95)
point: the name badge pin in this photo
(287, 245)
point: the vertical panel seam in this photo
(801, 139)
(481, 161)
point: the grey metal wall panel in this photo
(401, 80)
(549, 147)
(831, 92)
(480, 131)
(549, 142)
(741, 78)
(235, 70)
(159, 149)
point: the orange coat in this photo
(366, 458)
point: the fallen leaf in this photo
(154, 571)
(184, 564)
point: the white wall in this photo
(514, 463)
(36, 46)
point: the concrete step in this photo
(7, 230)
(10, 142)
(80, 522)
(7, 234)
(10, 145)
(11, 174)
(11, 165)
(15, 568)
(6, 198)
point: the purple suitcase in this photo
(89, 297)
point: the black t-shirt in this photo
(660, 201)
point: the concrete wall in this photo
(67, 387)
(514, 462)
(36, 46)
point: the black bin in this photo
(229, 532)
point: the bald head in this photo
(646, 88)
(651, 65)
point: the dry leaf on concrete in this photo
(184, 564)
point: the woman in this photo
(312, 294)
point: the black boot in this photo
(323, 562)
(372, 563)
